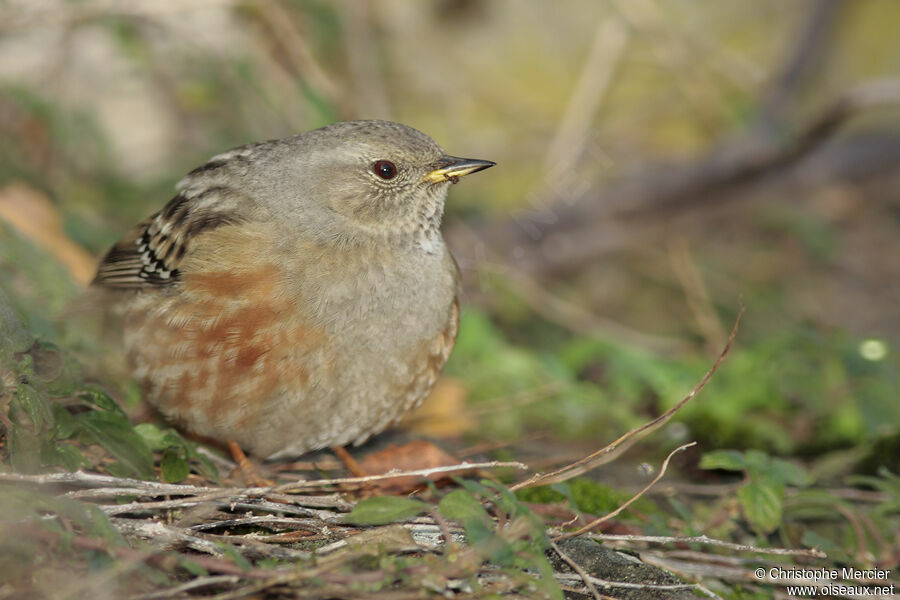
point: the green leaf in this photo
(506, 500)
(811, 539)
(132, 395)
(787, 473)
(173, 467)
(381, 510)
(65, 422)
(475, 488)
(235, 556)
(886, 482)
(25, 367)
(757, 461)
(205, 467)
(547, 582)
(762, 504)
(192, 567)
(461, 506)
(67, 456)
(728, 460)
(480, 533)
(172, 439)
(152, 435)
(113, 432)
(101, 399)
(102, 528)
(35, 405)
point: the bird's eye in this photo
(384, 169)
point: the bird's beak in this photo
(451, 168)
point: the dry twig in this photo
(626, 504)
(708, 541)
(577, 568)
(613, 450)
(571, 577)
(349, 481)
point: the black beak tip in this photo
(480, 165)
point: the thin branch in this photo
(214, 564)
(859, 532)
(569, 577)
(708, 541)
(429, 535)
(299, 55)
(626, 504)
(610, 40)
(570, 315)
(165, 537)
(364, 59)
(228, 502)
(696, 293)
(463, 466)
(563, 238)
(264, 520)
(97, 480)
(722, 489)
(577, 568)
(613, 450)
(444, 527)
(194, 584)
(195, 494)
(743, 574)
(809, 50)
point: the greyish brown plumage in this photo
(295, 294)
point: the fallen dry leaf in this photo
(412, 456)
(443, 413)
(32, 214)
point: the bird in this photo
(294, 294)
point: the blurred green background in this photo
(658, 163)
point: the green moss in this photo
(586, 495)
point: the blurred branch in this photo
(561, 238)
(802, 61)
(24, 15)
(696, 293)
(299, 56)
(558, 310)
(364, 60)
(707, 541)
(599, 69)
(691, 69)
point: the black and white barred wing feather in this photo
(151, 254)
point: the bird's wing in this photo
(151, 253)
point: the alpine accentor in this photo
(297, 293)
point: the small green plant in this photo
(584, 495)
(514, 538)
(761, 496)
(53, 418)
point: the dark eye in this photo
(384, 169)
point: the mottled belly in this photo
(214, 356)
